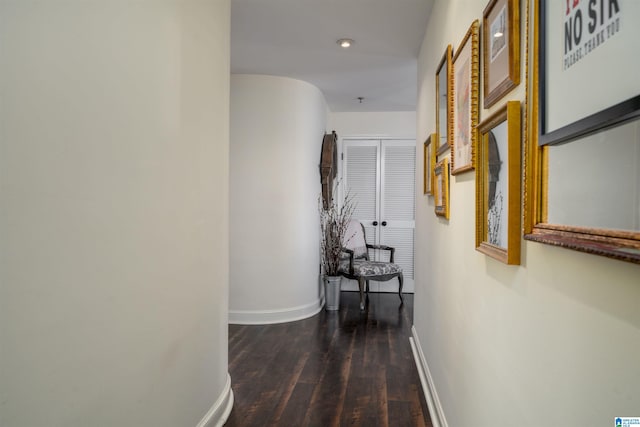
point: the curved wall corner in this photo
(114, 252)
(277, 126)
(218, 414)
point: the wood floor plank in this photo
(328, 398)
(334, 369)
(291, 384)
(296, 407)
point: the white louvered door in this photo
(397, 207)
(380, 175)
(362, 182)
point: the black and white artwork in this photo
(497, 186)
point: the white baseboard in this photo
(267, 317)
(428, 387)
(218, 414)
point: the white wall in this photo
(277, 125)
(114, 220)
(554, 341)
(399, 125)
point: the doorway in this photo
(380, 176)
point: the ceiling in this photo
(297, 39)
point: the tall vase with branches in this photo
(334, 220)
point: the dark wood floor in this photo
(334, 369)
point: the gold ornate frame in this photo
(429, 163)
(470, 99)
(511, 75)
(617, 244)
(446, 66)
(441, 188)
(509, 254)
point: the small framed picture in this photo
(429, 162)
(498, 176)
(466, 69)
(444, 102)
(441, 188)
(501, 49)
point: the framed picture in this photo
(584, 52)
(466, 69)
(444, 102)
(501, 49)
(498, 176)
(441, 188)
(429, 162)
(603, 119)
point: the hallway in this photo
(343, 368)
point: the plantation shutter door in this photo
(397, 210)
(362, 182)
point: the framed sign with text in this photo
(583, 93)
(587, 47)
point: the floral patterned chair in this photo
(356, 265)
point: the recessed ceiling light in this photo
(345, 43)
(498, 34)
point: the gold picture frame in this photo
(429, 162)
(623, 245)
(466, 75)
(444, 102)
(441, 188)
(498, 185)
(501, 49)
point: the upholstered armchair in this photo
(356, 265)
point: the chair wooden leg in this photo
(361, 286)
(400, 279)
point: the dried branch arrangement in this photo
(334, 221)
